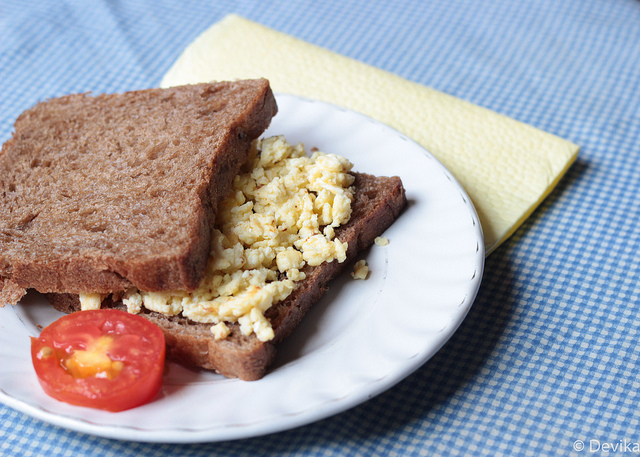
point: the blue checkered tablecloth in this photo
(547, 360)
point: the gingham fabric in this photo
(547, 361)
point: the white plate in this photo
(359, 340)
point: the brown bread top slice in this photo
(98, 193)
(378, 202)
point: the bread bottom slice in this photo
(378, 202)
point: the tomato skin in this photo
(134, 346)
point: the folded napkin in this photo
(507, 167)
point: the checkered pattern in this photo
(548, 354)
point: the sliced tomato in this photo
(106, 359)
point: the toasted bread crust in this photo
(378, 202)
(101, 193)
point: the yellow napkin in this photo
(506, 167)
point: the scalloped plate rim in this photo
(80, 419)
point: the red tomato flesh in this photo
(105, 359)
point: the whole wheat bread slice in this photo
(99, 193)
(378, 202)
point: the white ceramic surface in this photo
(359, 340)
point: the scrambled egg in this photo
(279, 217)
(90, 301)
(360, 270)
(381, 241)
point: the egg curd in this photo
(279, 217)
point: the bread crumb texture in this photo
(102, 193)
(279, 217)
